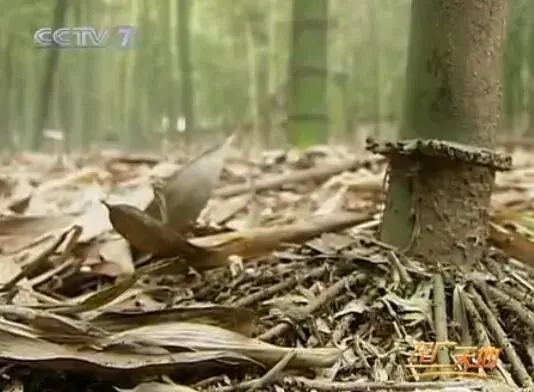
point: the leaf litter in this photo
(222, 273)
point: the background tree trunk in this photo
(308, 110)
(7, 85)
(47, 83)
(513, 104)
(187, 101)
(438, 208)
(530, 62)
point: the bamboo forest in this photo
(276, 195)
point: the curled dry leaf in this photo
(149, 235)
(186, 193)
(200, 337)
(94, 220)
(236, 319)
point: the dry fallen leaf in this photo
(95, 221)
(17, 232)
(186, 193)
(201, 337)
(513, 244)
(61, 301)
(53, 327)
(34, 352)
(102, 297)
(236, 319)
(149, 235)
(115, 251)
(37, 256)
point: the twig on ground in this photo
(481, 335)
(358, 350)
(323, 299)
(440, 317)
(522, 296)
(273, 374)
(522, 312)
(460, 317)
(209, 381)
(37, 261)
(268, 292)
(404, 275)
(342, 328)
(355, 386)
(409, 267)
(522, 281)
(268, 378)
(500, 335)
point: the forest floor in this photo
(244, 273)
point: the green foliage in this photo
(240, 60)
